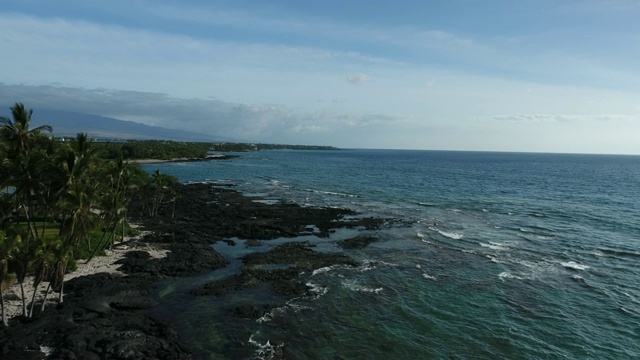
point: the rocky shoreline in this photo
(206, 158)
(106, 316)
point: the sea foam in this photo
(507, 275)
(266, 350)
(450, 235)
(354, 286)
(429, 277)
(574, 265)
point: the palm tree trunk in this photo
(29, 222)
(5, 323)
(24, 303)
(46, 209)
(112, 237)
(60, 298)
(33, 299)
(106, 231)
(44, 301)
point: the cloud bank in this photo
(244, 122)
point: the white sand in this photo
(99, 264)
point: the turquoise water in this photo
(485, 256)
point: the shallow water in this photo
(486, 255)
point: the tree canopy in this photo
(58, 196)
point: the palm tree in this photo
(161, 187)
(22, 169)
(9, 243)
(20, 262)
(16, 131)
(78, 199)
(41, 263)
(62, 254)
(82, 219)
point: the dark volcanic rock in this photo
(102, 318)
(358, 242)
(182, 260)
(204, 213)
(105, 316)
(299, 254)
(295, 256)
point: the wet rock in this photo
(250, 311)
(105, 316)
(297, 256)
(357, 242)
(182, 259)
(102, 318)
(204, 213)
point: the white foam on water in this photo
(47, 350)
(324, 270)
(368, 265)
(629, 312)
(290, 305)
(450, 235)
(630, 297)
(332, 193)
(507, 275)
(495, 259)
(317, 290)
(494, 246)
(425, 204)
(423, 237)
(264, 351)
(354, 286)
(429, 277)
(271, 314)
(574, 265)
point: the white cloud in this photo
(561, 118)
(358, 79)
(432, 89)
(209, 116)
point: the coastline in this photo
(207, 158)
(99, 264)
(108, 305)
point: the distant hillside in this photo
(67, 123)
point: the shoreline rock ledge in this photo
(107, 315)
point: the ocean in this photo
(483, 256)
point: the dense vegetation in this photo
(258, 147)
(61, 201)
(167, 150)
(154, 149)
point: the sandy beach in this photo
(99, 264)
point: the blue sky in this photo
(551, 76)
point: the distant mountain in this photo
(68, 123)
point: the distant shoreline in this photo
(207, 158)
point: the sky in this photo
(484, 75)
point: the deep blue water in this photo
(485, 256)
